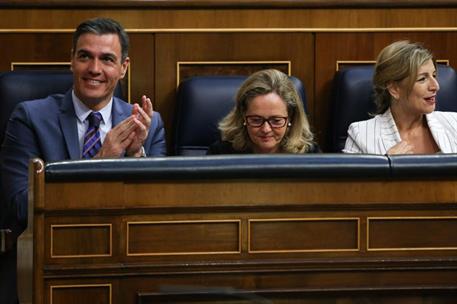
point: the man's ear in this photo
(394, 89)
(124, 66)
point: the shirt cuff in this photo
(143, 152)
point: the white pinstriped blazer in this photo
(379, 134)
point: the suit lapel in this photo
(389, 132)
(121, 110)
(439, 133)
(68, 123)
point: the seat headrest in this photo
(352, 99)
(446, 97)
(17, 86)
(202, 101)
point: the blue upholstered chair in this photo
(17, 86)
(352, 99)
(202, 102)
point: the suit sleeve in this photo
(155, 144)
(19, 146)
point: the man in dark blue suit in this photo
(54, 128)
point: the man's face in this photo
(97, 67)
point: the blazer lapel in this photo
(389, 132)
(439, 133)
(121, 110)
(68, 123)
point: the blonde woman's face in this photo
(422, 98)
(266, 122)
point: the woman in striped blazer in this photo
(405, 87)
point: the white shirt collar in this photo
(82, 111)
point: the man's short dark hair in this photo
(102, 26)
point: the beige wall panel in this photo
(222, 47)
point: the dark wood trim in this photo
(215, 295)
(233, 4)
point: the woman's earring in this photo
(244, 123)
(289, 124)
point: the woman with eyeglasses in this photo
(268, 117)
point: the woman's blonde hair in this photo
(298, 137)
(397, 61)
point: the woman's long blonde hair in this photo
(298, 137)
(397, 61)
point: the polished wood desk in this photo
(298, 229)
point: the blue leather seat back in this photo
(202, 101)
(447, 95)
(352, 99)
(18, 86)
(21, 85)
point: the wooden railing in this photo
(329, 227)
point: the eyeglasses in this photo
(258, 121)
